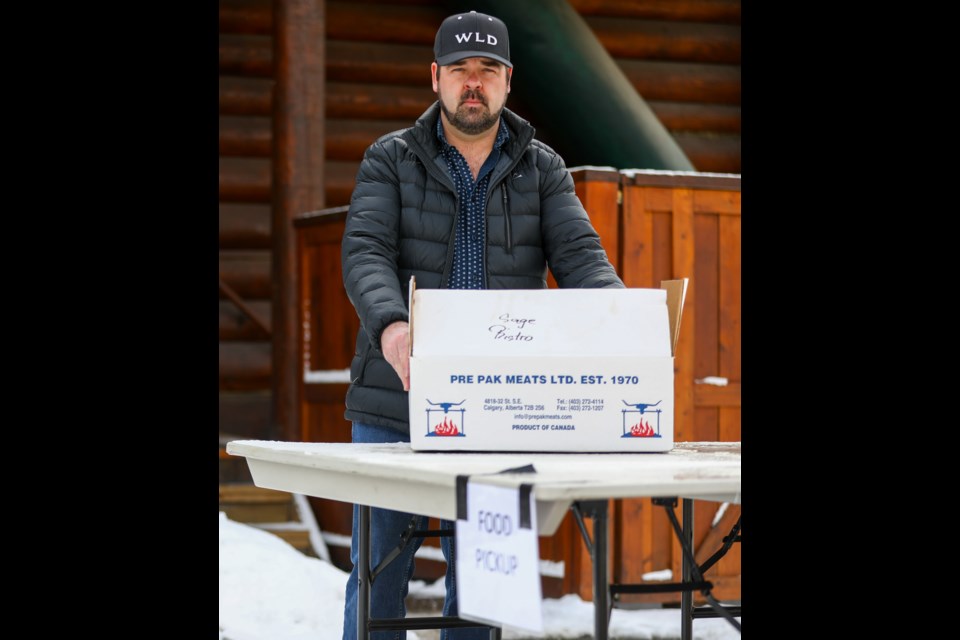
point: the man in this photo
(464, 199)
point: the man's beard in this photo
(472, 120)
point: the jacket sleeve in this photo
(370, 245)
(572, 246)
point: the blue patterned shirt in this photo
(468, 252)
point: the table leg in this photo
(686, 574)
(601, 588)
(599, 557)
(363, 573)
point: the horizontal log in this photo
(348, 139)
(714, 11)
(246, 16)
(402, 24)
(664, 40)
(397, 64)
(237, 325)
(247, 273)
(245, 136)
(245, 179)
(340, 180)
(245, 226)
(684, 116)
(712, 153)
(245, 366)
(246, 414)
(683, 82)
(246, 55)
(378, 101)
(246, 96)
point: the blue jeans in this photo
(390, 587)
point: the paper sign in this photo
(498, 558)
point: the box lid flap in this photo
(413, 287)
(676, 294)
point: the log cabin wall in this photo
(245, 238)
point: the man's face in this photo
(472, 93)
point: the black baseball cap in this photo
(472, 35)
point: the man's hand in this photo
(395, 345)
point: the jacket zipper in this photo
(506, 217)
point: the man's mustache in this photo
(473, 95)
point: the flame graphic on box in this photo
(643, 428)
(446, 428)
(449, 425)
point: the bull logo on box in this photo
(444, 422)
(634, 424)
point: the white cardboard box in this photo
(578, 370)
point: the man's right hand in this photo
(395, 345)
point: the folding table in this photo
(393, 476)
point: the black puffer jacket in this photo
(401, 223)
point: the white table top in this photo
(396, 477)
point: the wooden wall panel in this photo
(598, 191)
(690, 228)
(682, 241)
(328, 320)
(729, 290)
(705, 274)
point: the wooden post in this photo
(298, 180)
